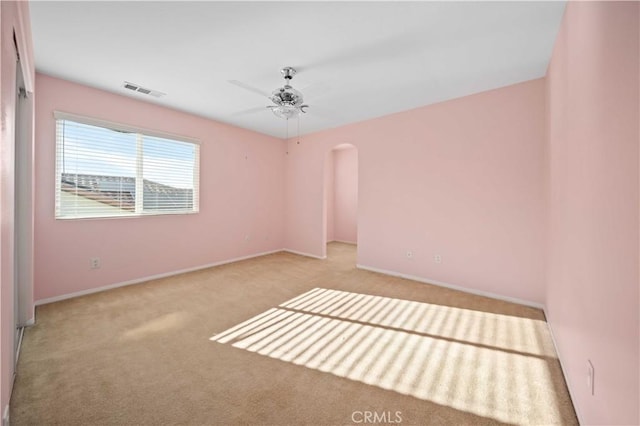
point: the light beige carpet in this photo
(288, 340)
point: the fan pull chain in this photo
(298, 129)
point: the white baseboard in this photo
(564, 372)
(301, 253)
(148, 278)
(453, 287)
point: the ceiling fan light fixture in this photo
(286, 95)
(288, 101)
(285, 111)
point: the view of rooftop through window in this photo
(101, 171)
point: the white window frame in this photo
(140, 132)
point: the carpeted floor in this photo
(288, 340)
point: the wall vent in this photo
(143, 90)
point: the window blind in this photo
(107, 170)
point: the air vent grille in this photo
(136, 88)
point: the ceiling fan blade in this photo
(318, 112)
(315, 90)
(249, 111)
(249, 88)
(395, 47)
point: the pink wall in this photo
(463, 179)
(592, 291)
(14, 17)
(305, 230)
(345, 206)
(330, 195)
(241, 181)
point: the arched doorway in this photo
(341, 196)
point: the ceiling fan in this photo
(288, 102)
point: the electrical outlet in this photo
(247, 237)
(94, 263)
(409, 254)
(590, 377)
(437, 258)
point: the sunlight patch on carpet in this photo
(489, 364)
(156, 326)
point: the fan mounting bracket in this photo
(288, 72)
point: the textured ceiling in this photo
(355, 60)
